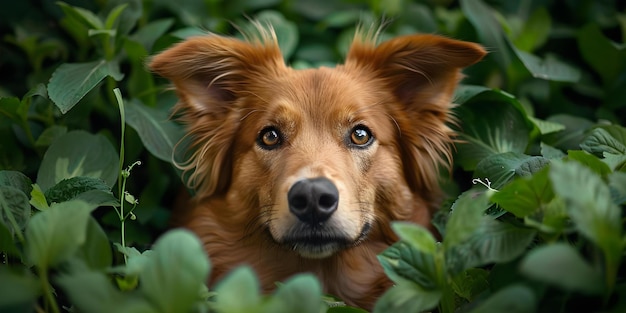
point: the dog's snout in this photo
(313, 200)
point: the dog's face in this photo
(317, 157)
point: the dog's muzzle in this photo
(313, 201)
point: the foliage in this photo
(541, 229)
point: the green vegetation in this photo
(535, 216)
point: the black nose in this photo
(314, 200)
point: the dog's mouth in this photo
(321, 242)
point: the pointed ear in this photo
(211, 74)
(421, 72)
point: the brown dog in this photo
(303, 170)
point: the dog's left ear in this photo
(421, 72)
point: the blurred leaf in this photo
(407, 297)
(549, 68)
(16, 180)
(49, 135)
(525, 195)
(70, 82)
(148, 34)
(489, 30)
(78, 153)
(175, 290)
(403, 263)
(56, 234)
(546, 127)
(8, 245)
(502, 168)
(86, 17)
(535, 31)
(38, 198)
(14, 209)
(301, 293)
(21, 292)
(550, 152)
(501, 128)
(561, 265)
(69, 188)
(589, 161)
(417, 236)
(92, 291)
(515, 298)
(470, 283)
(127, 17)
(96, 252)
(158, 133)
(570, 138)
(590, 206)
(617, 183)
(238, 291)
(600, 53)
(114, 15)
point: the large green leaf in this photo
(97, 252)
(402, 262)
(16, 180)
(493, 122)
(72, 81)
(56, 234)
(502, 168)
(14, 209)
(549, 68)
(157, 132)
(574, 133)
(492, 242)
(417, 236)
(525, 195)
(466, 216)
(607, 139)
(175, 290)
(78, 153)
(70, 188)
(561, 265)
(302, 294)
(606, 58)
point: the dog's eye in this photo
(269, 138)
(361, 136)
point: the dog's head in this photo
(318, 157)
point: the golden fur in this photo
(233, 93)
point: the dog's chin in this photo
(321, 242)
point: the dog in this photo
(303, 170)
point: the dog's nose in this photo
(313, 200)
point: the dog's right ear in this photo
(211, 74)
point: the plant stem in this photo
(446, 304)
(45, 284)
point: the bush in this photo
(534, 220)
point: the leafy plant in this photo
(534, 220)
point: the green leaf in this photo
(589, 161)
(491, 242)
(92, 291)
(301, 293)
(590, 206)
(14, 210)
(57, 233)
(470, 283)
(549, 68)
(78, 153)
(403, 262)
(525, 195)
(98, 198)
(574, 133)
(598, 51)
(546, 127)
(97, 252)
(502, 168)
(86, 17)
(550, 152)
(617, 183)
(515, 298)
(175, 290)
(20, 290)
(148, 34)
(8, 243)
(417, 236)
(502, 128)
(49, 135)
(611, 139)
(16, 180)
(70, 82)
(159, 134)
(114, 15)
(68, 189)
(407, 297)
(535, 31)
(465, 217)
(561, 265)
(238, 291)
(38, 198)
